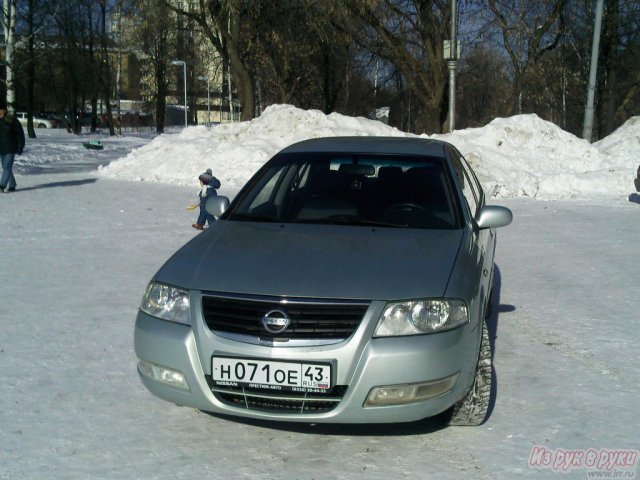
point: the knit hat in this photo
(3, 104)
(206, 177)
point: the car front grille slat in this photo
(309, 319)
(289, 403)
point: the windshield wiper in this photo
(248, 217)
(349, 220)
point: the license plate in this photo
(268, 374)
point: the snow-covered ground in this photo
(77, 247)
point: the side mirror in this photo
(217, 205)
(491, 216)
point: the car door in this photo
(483, 247)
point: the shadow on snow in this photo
(495, 309)
(68, 183)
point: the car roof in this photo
(376, 145)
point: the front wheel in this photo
(472, 409)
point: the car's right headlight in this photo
(422, 316)
(167, 303)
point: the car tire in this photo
(41, 125)
(472, 409)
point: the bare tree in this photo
(39, 61)
(221, 21)
(619, 83)
(628, 61)
(106, 66)
(88, 41)
(297, 55)
(156, 35)
(529, 29)
(482, 85)
(71, 34)
(409, 35)
(30, 70)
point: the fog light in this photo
(163, 375)
(409, 392)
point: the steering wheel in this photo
(403, 207)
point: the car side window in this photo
(467, 182)
(475, 182)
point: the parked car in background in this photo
(38, 122)
(348, 282)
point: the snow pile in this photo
(623, 144)
(513, 157)
(235, 151)
(525, 156)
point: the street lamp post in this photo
(208, 99)
(452, 69)
(587, 131)
(184, 71)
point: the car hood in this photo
(317, 261)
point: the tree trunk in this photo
(92, 61)
(220, 22)
(9, 10)
(161, 96)
(30, 72)
(107, 69)
(609, 52)
(160, 111)
(244, 84)
(240, 73)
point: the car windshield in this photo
(395, 191)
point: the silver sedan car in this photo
(347, 282)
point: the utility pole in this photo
(452, 60)
(588, 112)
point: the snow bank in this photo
(525, 156)
(235, 151)
(623, 145)
(513, 157)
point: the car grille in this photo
(289, 403)
(309, 319)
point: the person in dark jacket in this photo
(11, 143)
(208, 186)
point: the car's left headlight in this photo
(417, 317)
(168, 303)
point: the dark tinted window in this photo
(383, 190)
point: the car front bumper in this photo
(359, 363)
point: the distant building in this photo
(208, 82)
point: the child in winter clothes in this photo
(208, 184)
